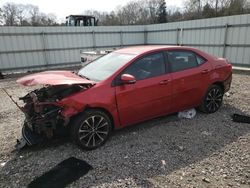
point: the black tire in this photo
(212, 100)
(91, 129)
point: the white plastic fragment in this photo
(163, 162)
(180, 148)
(206, 133)
(3, 164)
(188, 114)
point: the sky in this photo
(63, 8)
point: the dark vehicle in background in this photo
(81, 20)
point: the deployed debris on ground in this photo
(62, 174)
(188, 114)
(241, 118)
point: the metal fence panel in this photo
(35, 48)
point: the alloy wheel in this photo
(93, 131)
(214, 99)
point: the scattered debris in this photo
(206, 180)
(227, 94)
(180, 148)
(62, 174)
(188, 114)
(206, 133)
(241, 118)
(163, 162)
(3, 164)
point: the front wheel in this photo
(212, 100)
(91, 129)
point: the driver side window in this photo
(149, 66)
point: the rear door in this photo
(205, 69)
(186, 79)
(150, 96)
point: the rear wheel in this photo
(91, 129)
(212, 100)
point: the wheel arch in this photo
(202, 106)
(103, 110)
(220, 84)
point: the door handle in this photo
(164, 82)
(205, 71)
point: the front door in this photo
(150, 96)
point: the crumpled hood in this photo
(53, 78)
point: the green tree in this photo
(174, 15)
(236, 7)
(162, 13)
(9, 14)
(110, 19)
(208, 11)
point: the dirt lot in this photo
(207, 151)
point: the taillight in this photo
(229, 65)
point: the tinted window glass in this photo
(181, 60)
(200, 60)
(147, 67)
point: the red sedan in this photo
(124, 87)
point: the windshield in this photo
(105, 66)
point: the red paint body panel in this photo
(145, 99)
(189, 86)
(53, 78)
(99, 96)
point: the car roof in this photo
(147, 48)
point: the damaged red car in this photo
(124, 87)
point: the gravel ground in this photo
(207, 151)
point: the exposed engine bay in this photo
(43, 118)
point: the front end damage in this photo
(44, 114)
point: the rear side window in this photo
(200, 60)
(147, 67)
(182, 60)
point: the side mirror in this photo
(128, 79)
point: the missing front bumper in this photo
(28, 138)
